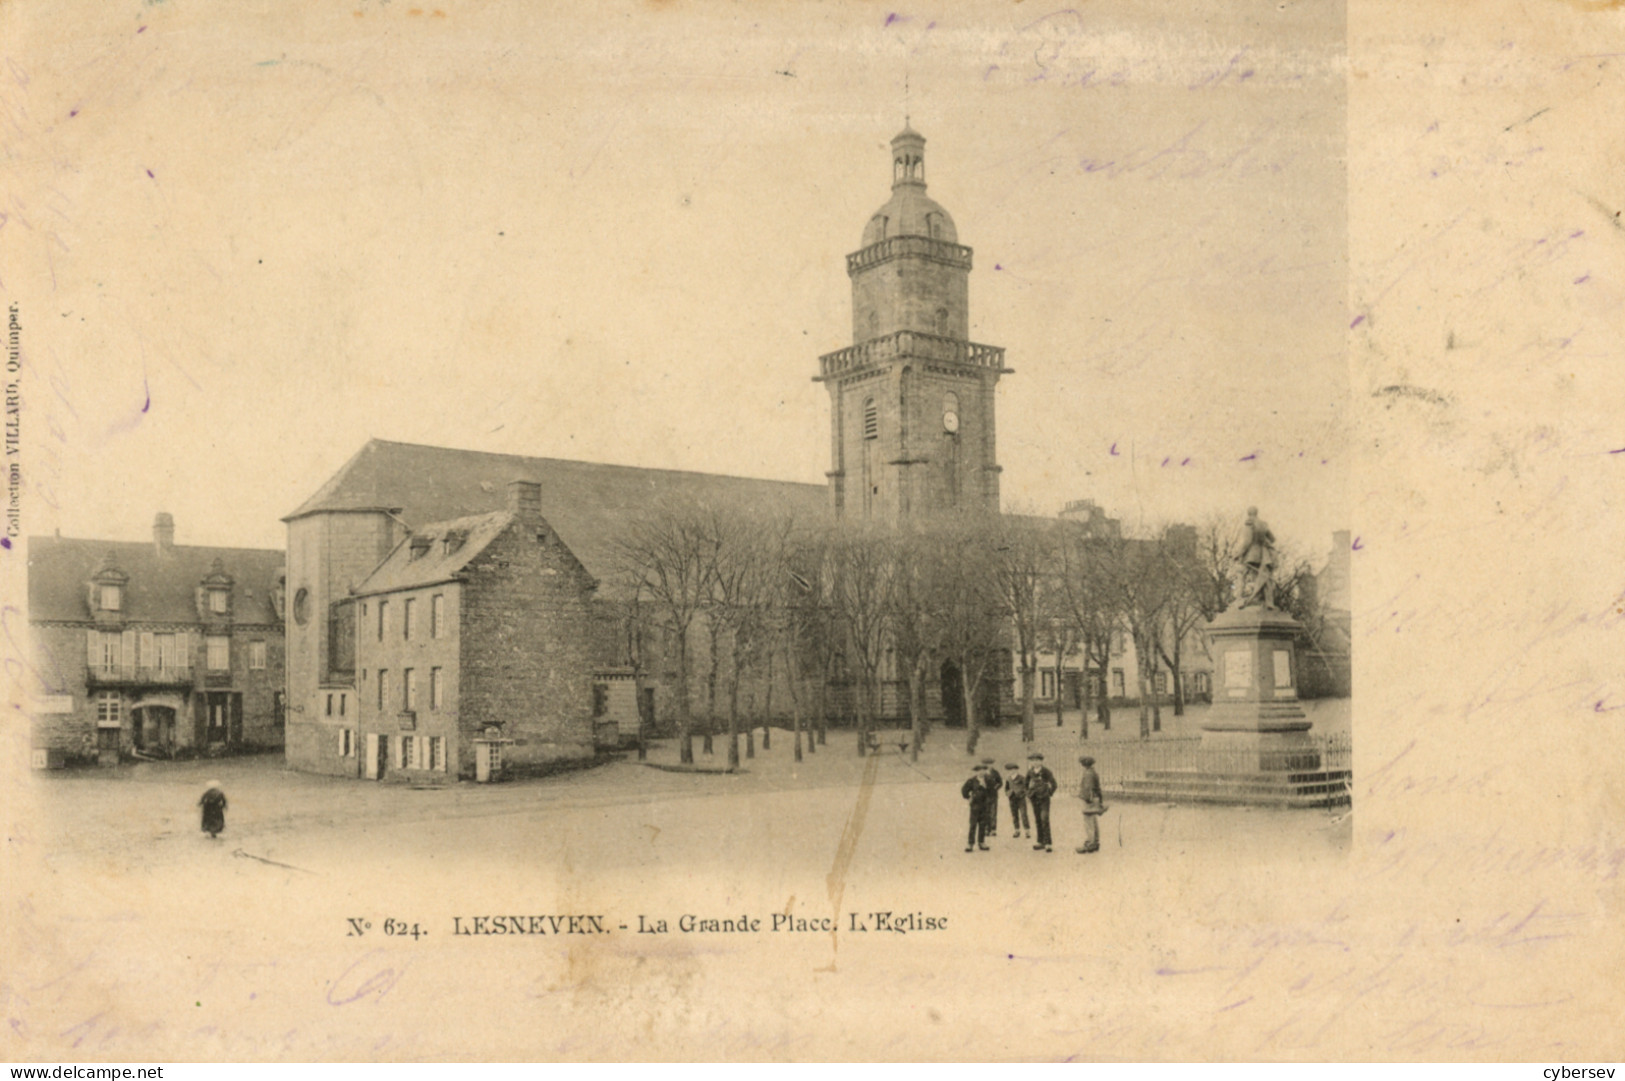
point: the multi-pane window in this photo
(437, 688)
(346, 742)
(1118, 686)
(1046, 684)
(437, 753)
(219, 652)
(111, 654)
(407, 752)
(409, 683)
(437, 615)
(408, 614)
(217, 601)
(256, 654)
(383, 618)
(109, 706)
(1161, 681)
(112, 598)
(330, 697)
(169, 657)
(383, 688)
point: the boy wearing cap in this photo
(976, 791)
(994, 782)
(1094, 805)
(1040, 787)
(1016, 787)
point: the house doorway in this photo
(372, 763)
(152, 730)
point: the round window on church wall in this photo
(301, 607)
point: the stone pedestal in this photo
(1256, 718)
(1255, 746)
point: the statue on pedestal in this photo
(1257, 558)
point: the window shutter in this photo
(127, 649)
(93, 653)
(149, 650)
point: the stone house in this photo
(153, 650)
(471, 653)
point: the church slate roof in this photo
(162, 586)
(589, 504)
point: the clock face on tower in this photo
(950, 422)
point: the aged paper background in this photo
(1476, 911)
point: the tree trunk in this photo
(711, 693)
(1060, 672)
(1084, 700)
(733, 718)
(916, 707)
(685, 714)
(795, 704)
(1179, 684)
(967, 705)
(862, 704)
(820, 695)
(1103, 705)
(823, 709)
(1029, 666)
(1145, 692)
(767, 713)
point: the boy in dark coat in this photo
(994, 782)
(1040, 787)
(977, 792)
(1016, 787)
(214, 810)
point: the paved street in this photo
(144, 816)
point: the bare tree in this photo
(1092, 607)
(666, 556)
(741, 584)
(1022, 558)
(861, 579)
(1187, 595)
(1136, 574)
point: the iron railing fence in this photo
(1119, 761)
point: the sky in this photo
(243, 242)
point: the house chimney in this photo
(525, 500)
(163, 532)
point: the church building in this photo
(451, 609)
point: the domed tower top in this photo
(909, 211)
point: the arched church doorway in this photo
(953, 695)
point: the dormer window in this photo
(111, 598)
(452, 542)
(420, 547)
(219, 601)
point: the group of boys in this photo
(1035, 787)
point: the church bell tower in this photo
(911, 399)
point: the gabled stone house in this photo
(153, 650)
